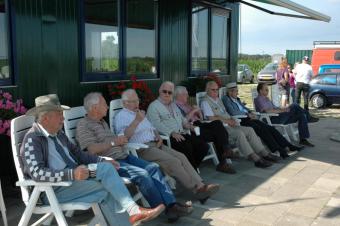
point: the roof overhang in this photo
(307, 13)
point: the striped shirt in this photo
(90, 132)
(144, 132)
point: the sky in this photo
(262, 33)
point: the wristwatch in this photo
(112, 143)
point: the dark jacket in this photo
(34, 157)
(232, 108)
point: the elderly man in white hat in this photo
(246, 139)
(48, 156)
(269, 135)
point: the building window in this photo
(210, 40)
(119, 39)
(5, 69)
(141, 37)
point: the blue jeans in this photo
(149, 178)
(107, 189)
(295, 114)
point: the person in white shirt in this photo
(304, 74)
(132, 122)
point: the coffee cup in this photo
(92, 169)
(197, 130)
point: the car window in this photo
(271, 67)
(334, 70)
(240, 67)
(328, 80)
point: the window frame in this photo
(196, 73)
(121, 74)
(10, 46)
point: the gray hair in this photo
(40, 116)
(180, 90)
(210, 83)
(127, 93)
(167, 83)
(91, 99)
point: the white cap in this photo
(231, 85)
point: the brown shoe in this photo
(146, 214)
(178, 210)
(207, 190)
(225, 168)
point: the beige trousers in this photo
(173, 163)
(246, 140)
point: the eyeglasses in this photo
(167, 92)
(214, 90)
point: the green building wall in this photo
(47, 48)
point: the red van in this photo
(325, 52)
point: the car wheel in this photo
(318, 100)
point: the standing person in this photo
(168, 120)
(94, 134)
(131, 121)
(292, 82)
(47, 155)
(282, 78)
(304, 74)
(209, 131)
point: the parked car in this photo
(267, 74)
(326, 68)
(325, 90)
(244, 74)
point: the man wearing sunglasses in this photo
(168, 120)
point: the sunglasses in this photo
(167, 92)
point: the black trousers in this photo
(215, 132)
(304, 89)
(269, 135)
(193, 147)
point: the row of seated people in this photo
(48, 155)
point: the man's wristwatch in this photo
(112, 143)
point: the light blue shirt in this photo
(55, 161)
(144, 131)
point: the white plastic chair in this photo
(222, 92)
(3, 207)
(19, 127)
(285, 129)
(71, 118)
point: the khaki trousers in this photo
(173, 163)
(247, 140)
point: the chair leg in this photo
(98, 216)
(3, 207)
(55, 206)
(26, 216)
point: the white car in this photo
(268, 73)
(244, 74)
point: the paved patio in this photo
(303, 190)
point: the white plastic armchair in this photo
(285, 129)
(3, 207)
(71, 118)
(31, 190)
(222, 92)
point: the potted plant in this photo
(144, 92)
(9, 109)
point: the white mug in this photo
(197, 130)
(92, 169)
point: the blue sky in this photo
(262, 33)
